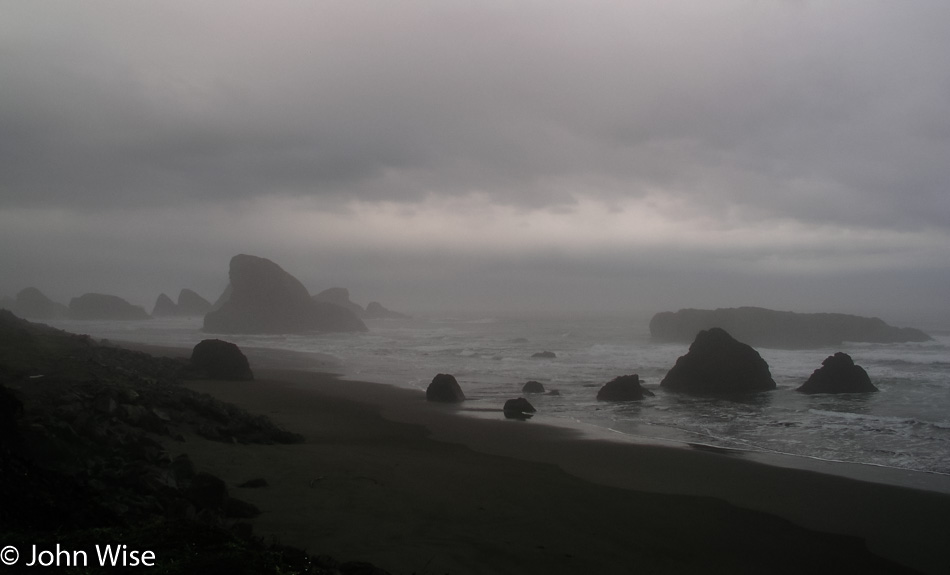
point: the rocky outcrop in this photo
(623, 388)
(266, 299)
(189, 304)
(718, 364)
(192, 304)
(532, 387)
(838, 374)
(518, 408)
(341, 297)
(164, 306)
(31, 303)
(780, 329)
(445, 389)
(97, 306)
(375, 310)
(217, 359)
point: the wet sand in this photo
(414, 487)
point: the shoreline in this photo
(901, 524)
(897, 522)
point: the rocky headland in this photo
(762, 327)
(82, 459)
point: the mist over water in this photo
(906, 425)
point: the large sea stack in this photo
(104, 307)
(718, 364)
(266, 299)
(838, 374)
(780, 329)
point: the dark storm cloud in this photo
(832, 112)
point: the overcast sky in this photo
(626, 157)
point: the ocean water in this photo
(906, 425)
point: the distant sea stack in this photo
(266, 299)
(718, 364)
(762, 327)
(189, 304)
(375, 310)
(341, 297)
(97, 306)
(30, 303)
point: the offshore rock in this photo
(97, 306)
(219, 359)
(838, 374)
(31, 303)
(341, 297)
(780, 329)
(544, 355)
(375, 310)
(715, 364)
(164, 306)
(444, 388)
(192, 304)
(623, 388)
(532, 387)
(266, 299)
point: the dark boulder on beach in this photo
(780, 329)
(838, 374)
(532, 387)
(716, 363)
(444, 388)
(31, 303)
(190, 303)
(518, 408)
(97, 306)
(544, 355)
(266, 299)
(164, 306)
(623, 388)
(217, 359)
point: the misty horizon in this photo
(496, 159)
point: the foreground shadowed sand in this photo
(413, 487)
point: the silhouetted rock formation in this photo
(192, 304)
(164, 306)
(218, 359)
(102, 306)
(444, 388)
(532, 387)
(222, 299)
(266, 299)
(341, 297)
(717, 363)
(375, 310)
(838, 374)
(32, 304)
(780, 329)
(189, 304)
(518, 408)
(623, 388)
(544, 355)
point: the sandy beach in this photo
(414, 487)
